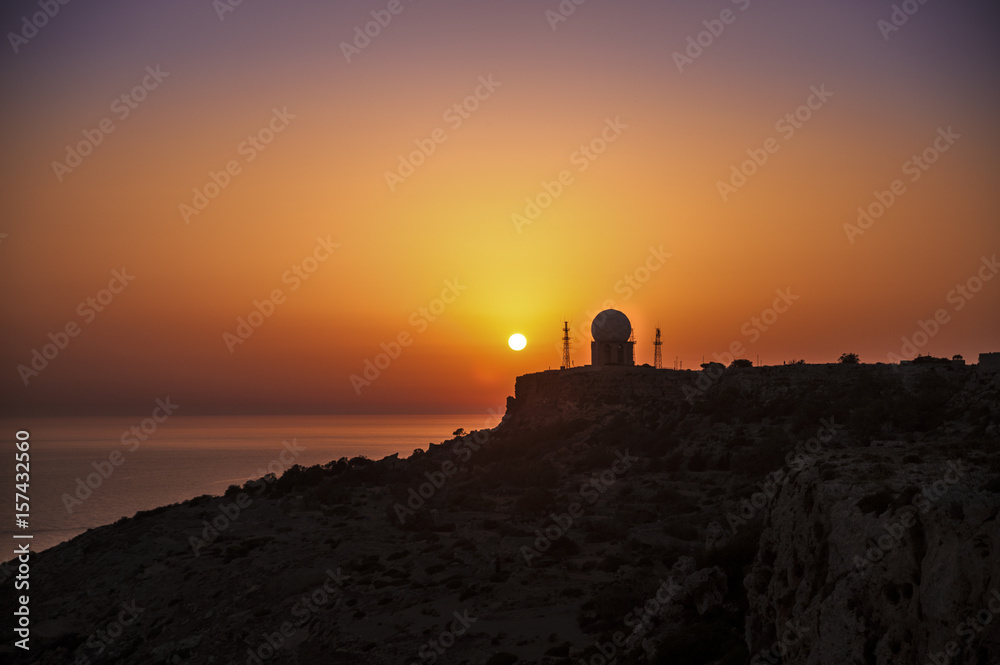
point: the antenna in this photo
(566, 364)
(657, 353)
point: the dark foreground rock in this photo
(801, 514)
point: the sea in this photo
(87, 472)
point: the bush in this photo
(929, 360)
(535, 500)
(764, 456)
(931, 395)
(603, 531)
(700, 642)
(697, 462)
(332, 491)
(609, 605)
(539, 474)
(610, 563)
(672, 462)
(470, 498)
(562, 547)
(595, 457)
(671, 502)
(680, 530)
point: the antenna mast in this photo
(657, 353)
(566, 364)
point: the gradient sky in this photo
(655, 187)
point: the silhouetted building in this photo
(989, 361)
(611, 331)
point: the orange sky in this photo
(669, 138)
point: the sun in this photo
(517, 341)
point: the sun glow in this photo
(517, 341)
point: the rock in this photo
(715, 536)
(895, 584)
(842, 551)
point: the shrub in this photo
(680, 530)
(697, 462)
(603, 531)
(610, 563)
(700, 642)
(534, 500)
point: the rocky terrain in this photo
(820, 514)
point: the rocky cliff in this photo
(799, 514)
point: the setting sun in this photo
(262, 255)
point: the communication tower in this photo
(657, 352)
(566, 364)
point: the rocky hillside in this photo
(799, 514)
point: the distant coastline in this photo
(191, 456)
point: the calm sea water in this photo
(187, 457)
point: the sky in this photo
(349, 207)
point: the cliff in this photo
(798, 514)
